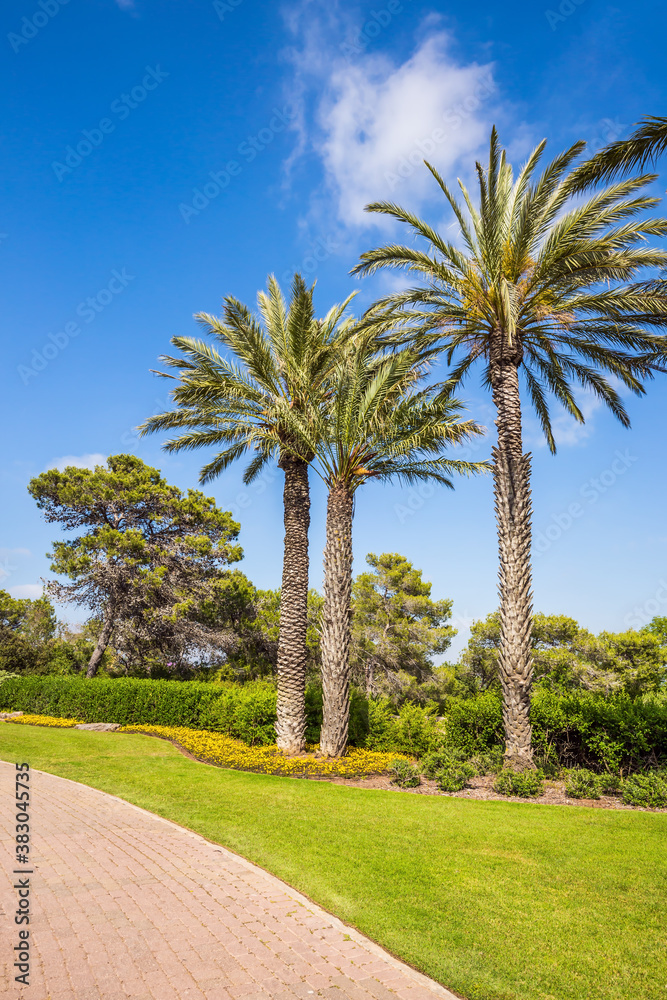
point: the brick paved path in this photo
(126, 904)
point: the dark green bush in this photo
(474, 725)
(359, 715)
(488, 763)
(414, 730)
(437, 760)
(404, 774)
(247, 712)
(454, 777)
(525, 784)
(600, 733)
(648, 790)
(582, 784)
(610, 784)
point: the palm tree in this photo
(375, 425)
(281, 363)
(536, 290)
(644, 146)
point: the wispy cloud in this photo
(372, 121)
(125, 4)
(78, 461)
(30, 590)
(567, 431)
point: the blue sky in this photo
(158, 156)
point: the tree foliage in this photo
(149, 561)
(397, 628)
(569, 657)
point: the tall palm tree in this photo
(277, 365)
(643, 146)
(375, 425)
(536, 289)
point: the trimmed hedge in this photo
(579, 728)
(246, 711)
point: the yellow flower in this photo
(216, 748)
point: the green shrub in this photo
(414, 731)
(404, 774)
(489, 762)
(247, 712)
(600, 733)
(437, 760)
(359, 715)
(582, 784)
(525, 784)
(610, 784)
(454, 777)
(474, 725)
(648, 790)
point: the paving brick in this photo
(130, 907)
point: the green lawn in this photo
(497, 901)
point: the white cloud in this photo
(381, 121)
(567, 431)
(375, 120)
(125, 4)
(78, 461)
(30, 590)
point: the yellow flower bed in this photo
(216, 748)
(44, 720)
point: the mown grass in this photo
(497, 901)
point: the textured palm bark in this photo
(102, 643)
(511, 474)
(336, 623)
(291, 706)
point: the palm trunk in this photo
(336, 622)
(291, 707)
(511, 474)
(102, 643)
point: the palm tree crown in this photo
(284, 358)
(378, 424)
(546, 272)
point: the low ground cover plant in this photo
(403, 773)
(647, 790)
(582, 784)
(525, 784)
(453, 777)
(223, 750)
